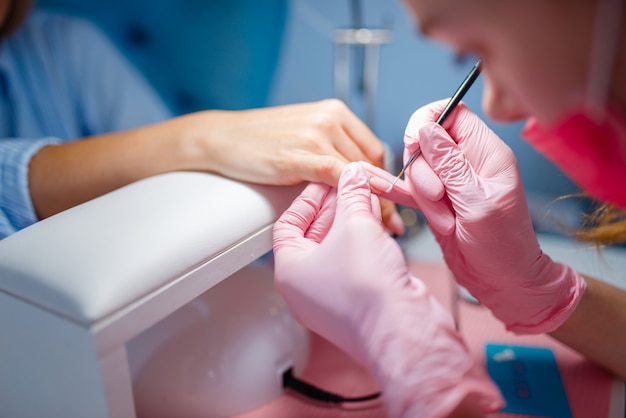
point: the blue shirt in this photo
(60, 80)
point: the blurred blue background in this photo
(237, 54)
(199, 54)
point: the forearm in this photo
(62, 176)
(596, 327)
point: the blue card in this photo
(529, 380)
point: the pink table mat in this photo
(588, 387)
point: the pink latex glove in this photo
(490, 244)
(346, 279)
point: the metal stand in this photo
(369, 40)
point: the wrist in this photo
(172, 145)
(540, 301)
(552, 298)
(195, 141)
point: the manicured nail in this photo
(380, 184)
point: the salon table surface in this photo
(591, 391)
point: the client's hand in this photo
(286, 145)
(346, 279)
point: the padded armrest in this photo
(93, 259)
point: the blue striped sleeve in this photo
(16, 208)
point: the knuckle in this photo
(326, 170)
(326, 123)
(334, 105)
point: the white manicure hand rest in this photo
(104, 255)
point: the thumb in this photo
(354, 196)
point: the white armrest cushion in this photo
(93, 259)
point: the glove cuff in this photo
(416, 354)
(557, 299)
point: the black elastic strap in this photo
(310, 391)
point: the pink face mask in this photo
(591, 151)
(589, 142)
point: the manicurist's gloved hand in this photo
(346, 279)
(489, 244)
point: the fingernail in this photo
(379, 184)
